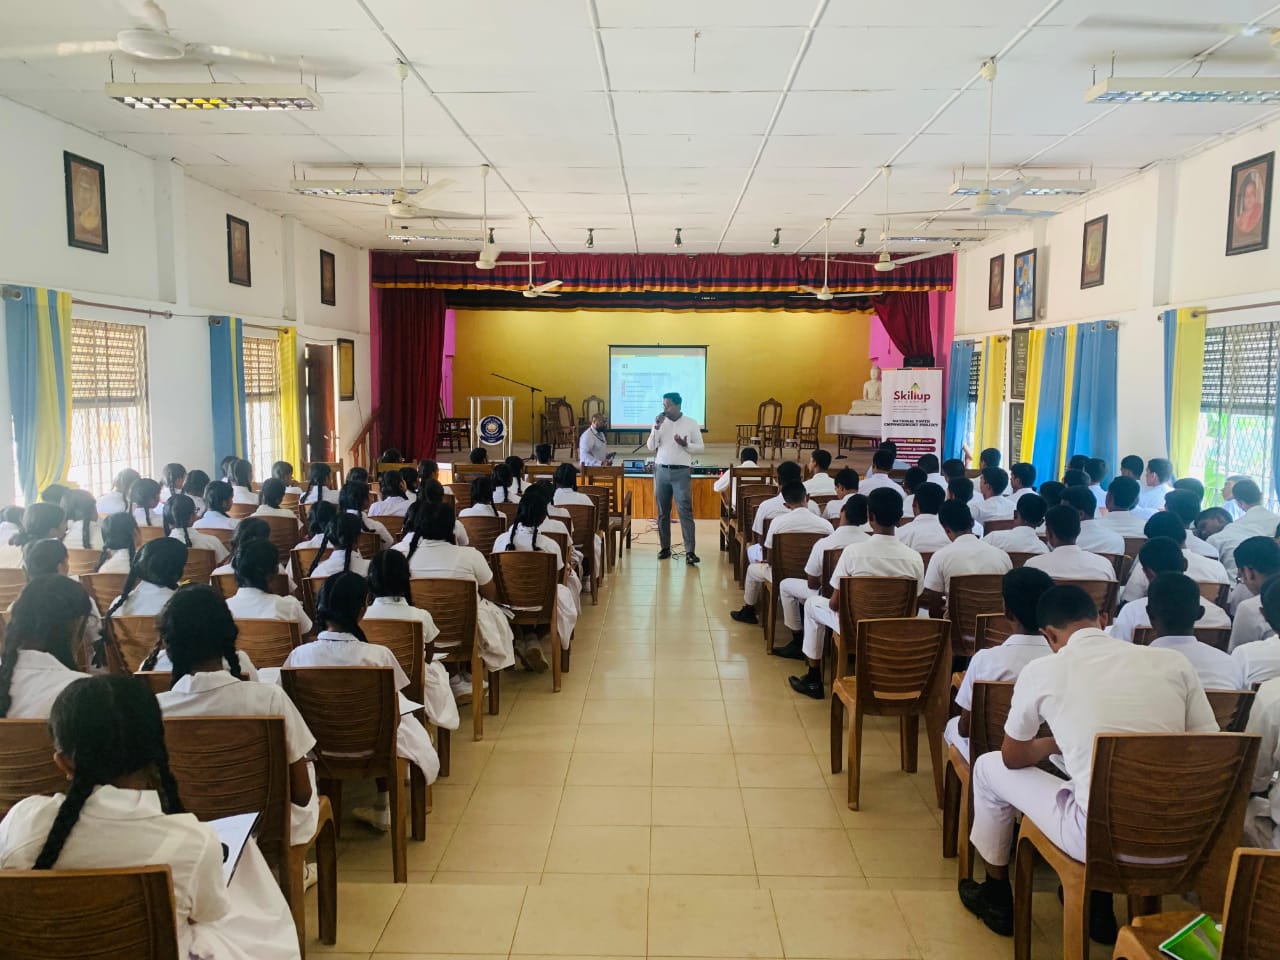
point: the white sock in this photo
(383, 801)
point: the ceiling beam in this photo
(606, 85)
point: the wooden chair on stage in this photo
(590, 407)
(454, 432)
(804, 435)
(766, 432)
(563, 428)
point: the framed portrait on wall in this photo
(995, 283)
(86, 187)
(1024, 286)
(346, 369)
(239, 270)
(1093, 253)
(328, 284)
(1249, 214)
(1020, 347)
(1015, 432)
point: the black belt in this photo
(673, 466)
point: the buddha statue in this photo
(869, 405)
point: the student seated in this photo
(846, 483)
(1028, 513)
(241, 478)
(433, 492)
(1201, 569)
(1132, 466)
(1229, 504)
(1096, 468)
(120, 542)
(43, 632)
(1022, 480)
(788, 471)
(1065, 560)
(196, 484)
(354, 499)
(1174, 606)
(542, 454)
(793, 592)
(144, 498)
(481, 500)
(1123, 516)
(507, 488)
(83, 530)
(40, 521)
(965, 554)
(747, 458)
(152, 579)
(121, 809)
(883, 555)
(1021, 590)
(255, 562)
(960, 489)
(1210, 521)
(393, 499)
(1256, 520)
(877, 477)
(994, 504)
(1257, 560)
(566, 492)
(478, 456)
(1052, 491)
(217, 501)
(116, 500)
(1185, 505)
(180, 518)
(320, 485)
(1158, 556)
(1094, 535)
(796, 518)
(520, 481)
(343, 535)
(11, 523)
(1262, 824)
(282, 470)
(255, 528)
(198, 636)
(269, 497)
(929, 464)
(1158, 481)
(1075, 477)
(924, 534)
(1092, 684)
(1260, 661)
(820, 483)
(952, 469)
(341, 643)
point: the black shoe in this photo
(745, 615)
(1102, 918)
(792, 651)
(810, 687)
(991, 902)
(664, 554)
(692, 559)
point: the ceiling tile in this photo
(711, 60)
(882, 58)
(530, 113)
(701, 113)
(704, 13)
(503, 60)
(685, 150)
(828, 150)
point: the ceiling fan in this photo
(150, 40)
(533, 290)
(489, 250)
(883, 262)
(824, 292)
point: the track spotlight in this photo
(862, 236)
(591, 237)
(491, 240)
(777, 237)
(678, 241)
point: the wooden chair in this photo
(902, 669)
(1102, 592)
(590, 407)
(1214, 592)
(310, 590)
(601, 494)
(566, 552)
(482, 531)
(584, 529)
(1231, 708)
(232, 765)
(225, 584)
(461, 490)
(394, 525)
(562, 427)
(80, 561)
(987, 714)
(454, 432)
(301, 558)
(1117, 561)
(748, 504)
(1216, 637)
(160, 681)
(527, 578)
(766, 432)
(1250, 928)
(237, 511)
(284, 533)
(223, 536)
(1200, 785)
(830, 558)
(404, 639)
(200, 566)
(336, 473)
(787, 557)
(869, 598)
(804, 435)
(268, 643)
(992, 630)
(508, 511)
(368, 545)
(133, 638)
(738, 477)
(540, 471)
(452, 605)
(147, 534)
(1018, 558)
(12, 582)
(88, 914)
(103, 587)
(969, 595)
(354, 713)
(26, 764)
(1132, 545)
(991, 526)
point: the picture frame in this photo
(1093, 253)
(328, 279)
(1020, 347)
(1016, 411)
(1024, 286)
(86, 194)
(995, 283)
(1248, 214)
(346, 369)
(239, 262)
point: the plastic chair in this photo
(268, 643)
(527, 578)
(969, 595)
(1214, 592)
(239, 511)
(991, 526)
(225, 584)
(26, 763)
(1019, 558)
(989, 711)
(1102, 592)
(394, 525)
(787, 557)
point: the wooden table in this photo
(706, 502)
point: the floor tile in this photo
(698, 807)
(473, 879)
(712, 923)
(531, 768)
(615, 738)
(605, 806)
(454, 919)
(691, 739)
(610, 769)
(689, 713)
(944, 930)
(901, 853)
(364, 909)
(619, 688)
(694, 770)
(765, 770)
(854, 924)
(512, 804)
(789, 739)
(773, 807)
(701, 850)
(783, 851)
(603, 921)
(581, 849)
(617, 711)
(497, 848)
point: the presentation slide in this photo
(639, 376)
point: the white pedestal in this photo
(482, 409)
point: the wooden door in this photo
(321, 415)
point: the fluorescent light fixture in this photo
(930, 239)
(256, 97)
(353, 188)
(406, 237)
(1249, 90)
(1038, 188)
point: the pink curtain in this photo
(906, 319)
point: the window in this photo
(1237, 407)
(262, 404)
(110, 415)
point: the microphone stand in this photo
(533, 411)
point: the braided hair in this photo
(196, 626)
(282, 470)
(341, 602)
(389, 574)
(344, 533)
(159, 562)
(530, 514)
(144, 494)
(218, 496)
(124, 482)
(119, 532)
(503, 479)
(271, 493)
(40, 522)
(45, 618)
(242, 474)
(410, 477)
(82, 508)
(255, 563)
(106, 728)
(318, 477)
(172, 476)
(250, 528)
(482, 494)
(197, 483)
(516, 466)
(392, 485)
(354, 498)
(431, 521)
(321, 515)
(566, 476)
(42, 557)
(179, 514)
(427, 470)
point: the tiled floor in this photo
(673, 800)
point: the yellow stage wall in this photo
(750, 356)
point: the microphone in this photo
(657, 421)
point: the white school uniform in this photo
(373, 526)
(479, 510)
(1097, 538)
(250, 603)
(442, 709)
(795, 520)
(995, 664)
(247, 919)
(566, 598)
(1215, 668)
(1152, 498)
(390, 507)
(149, 518)
(38, 678)
(74, 540)
(333, 564)
(267, 511)
(218, 694)
(1256, 522)
(1069, 562)
(821, 484)
(593, 448)
(1126, 523)
(835, 507)
(111, 502)
(201, 541)
(924, 534)
(1133, 615)
(997, 508)
(769, 509)
(722, 482)
(875, 481)
(446, 561)
(1249, 625)
(881, 555)
(1259, 661)
(285, 570)
(319, 493)
(1200, 569)
(965, 554)
(503, 495)
(145, 600)
(1261, 828)
(1201, 547)
(1019, 539)
(117, 562)
(11, 557)
(10, 530)
(939, 479)
(164, 665)
(215, 521)
(794, 591)
(564, 495)
(1095, 684)
(331, 648)
(1099, 496)
(241, 494)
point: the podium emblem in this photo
(492, 430)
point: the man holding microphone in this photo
(674, 438)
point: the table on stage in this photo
(706, 502)
(851, 428)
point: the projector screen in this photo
(640, 375)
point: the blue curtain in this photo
(1091, 421)
(226, 382)
(1047, 452)
(37, 332)
(957, 397)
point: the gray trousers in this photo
(669, 481)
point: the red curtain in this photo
(906, 319)
(409, 333)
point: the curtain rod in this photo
(1209, 311)
(1005, 333)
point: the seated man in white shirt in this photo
(1022, 479)
(880, 556)
(1184, 505)
(992, 483)
(788, 472)
(1262, 823)
(1200, 569)
(960, 489)
(1028, 514)
(796, 518)
(990, 457)
(1121, 516)
(1257, 521)
(1065, 560)
(846, 486)
(929, 464)
(1228, 497)
(953, 469)
(747, 459)
(1257, 561)
(964, 554)
(1133, 466)
(924, 534)
(820, 483)
(1092, 684)
(1160, 556)
(1094, 536)
(1158, 481)
(912, 479)
(593, 445)
(1260, 661)
(1021, 590)
(878, 477)
(1210, 521)
(1174, 605)
(1096, 468)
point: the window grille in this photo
(110, 410)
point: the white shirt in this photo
(1258, 661)
(267, 511)
(821, 484)
(1097, 537)
(662, 441)
(330, 494)
(1257, 522)
(38, 678)
(722, 481)
(111, 502)
(924, 534)
(333, 649)
(997, 508)
(1096, 684)
(1133, 615)
(1200, 569)
(241, 494)
(1264, 722)
(1069, 562)
(390, 507)
(480, 510)
(524, 541)
(164, 665)
(1153, 497)
(835, 507)
(1001, 664)
(149, 518)
(398, 608)
(796, 520)
(1216, 669)
(1249, 625)
(202, 541)
(215, 521)
(1202, 547)
(564, 495)
(771, 508)
(144, 600)
(1019, 539)
(74, 540)
(250, 603)
(1124, 522)
(964, 555)
(333, 564)
(593, 448)
(841, 538)
(939, 479)
(876, 481)
(373, 526)
(500, 494)
(447, 561)
(117, 562)
(880, 555)
(218, 694)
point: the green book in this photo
(1201, 939)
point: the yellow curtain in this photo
(1031, 406)
(290, 411)
(990, 418)
(1185, 385)
(1068, 386)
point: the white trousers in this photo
(951, 734)
(794, 592)
(1000, 794)
(566, 613)
(755, 553)
(758, 574)
(818, 614)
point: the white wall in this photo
(167, 253)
